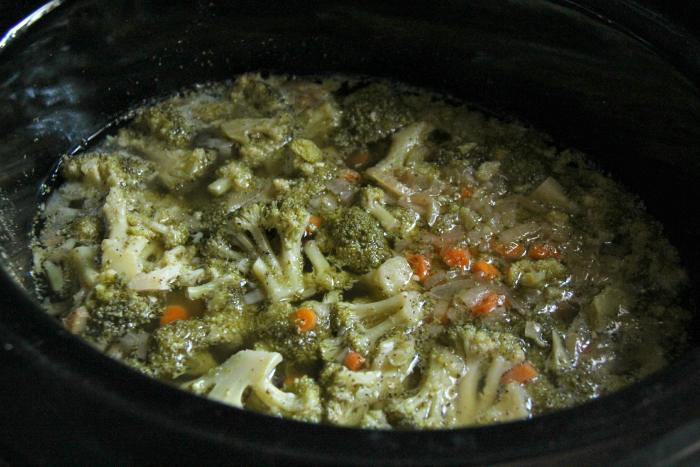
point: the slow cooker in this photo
(615, 79)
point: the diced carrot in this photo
(485, 268)
(521, 373)
(456, 257)
(420, 265)
(173, 313)
(465, 191)
(445, 319)
(354, 361)
(290, 379)
(543, 250)
(357, 159)
(486, 305)
(511, 250)
(305, 319)
(350, 175)
(313, 225)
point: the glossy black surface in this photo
(625, 91)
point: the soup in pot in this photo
(358, 253)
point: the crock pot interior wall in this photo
(582, 80)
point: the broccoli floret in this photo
(117, 310)
(277, 331)
(359, 326)
(373, 202)
(324, 277)
(180, 347)
(258, 138)
(222, 288)
(257, 97)
(481, 395)
(228, 383)
(351, 397)
(280, 274)
(175, 345)
(233, 175)
(306, 149)
(146, 233)
(165, 123)
(316, 111)
(531, 273)
(370, 114)
(103, 170)
(178, 169)
(427, 405)
(407, 146)
(356, 239)
(450, 153)
(88, 229)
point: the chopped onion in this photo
(519, 231)
(448, 290)
(343, 189)
(253, 297)
(532, 331)
(470, 297)
(434, 279)
(236, 202)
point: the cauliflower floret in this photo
(481, 395)
(531, 273)
(352, 396)
(233, 175)
(280, 274)
(324, 277)
(228, 383)
(259, 137)
(428, 405)
(359, 326)
(103, 170)
(146, 233)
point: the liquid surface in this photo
(359, 254)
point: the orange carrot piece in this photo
(305, 319)
(420, 265)
(521, 373)
(351, 176)
(543, 250)
(487, 269)
(313, 225)
(290, 379)
(354, 361)
(465, 191)
(511, 250)
(357, 159)
(173, 313)
(456, 257)
(486, 305)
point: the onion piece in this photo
(253, 297)
(448, 290)
(533, 331)
(519, 231)
(434, 279)
(470, 297)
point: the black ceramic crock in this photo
(612, 78)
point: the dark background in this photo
(682, 12)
